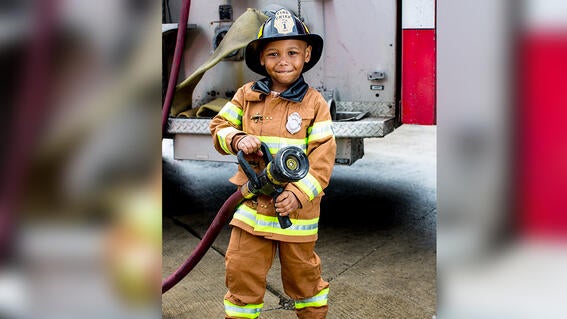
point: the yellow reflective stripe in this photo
(232, 113)
(305, 26)
(222, 134)
(248, 311)
(270, 224)
(299, 227)
(246, 214)
(318, 300)
(276, 143)
(320, 130)
(261, 31)
(309, 185)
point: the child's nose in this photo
(283, 60)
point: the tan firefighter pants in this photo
(248, 260)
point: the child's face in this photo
(284, 60)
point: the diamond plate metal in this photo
(381, 109)
(367, 127)
(188, 126)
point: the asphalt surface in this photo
(377, 233)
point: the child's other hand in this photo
(250, 144)
(286, 203)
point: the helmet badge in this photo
(283, 21)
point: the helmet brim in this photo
(253, 50)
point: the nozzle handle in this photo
(252, 177)
(249, 171)
(266, 155)
(284, 221)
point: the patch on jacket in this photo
(293, 124)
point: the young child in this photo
(278, 110)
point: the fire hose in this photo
(178, 53)
(242, 31)
(224, 213)
(29, 111)
(289, 165)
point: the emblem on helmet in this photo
(283, 21)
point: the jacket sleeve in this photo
(321, 152)
(227, 124)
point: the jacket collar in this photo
(295, 93)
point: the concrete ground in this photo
(377, 233)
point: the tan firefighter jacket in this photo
(298, 116)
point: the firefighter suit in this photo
(299, 116)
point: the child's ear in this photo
(308, 53)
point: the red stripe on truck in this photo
(542, 126)
(418, 76)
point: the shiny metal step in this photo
(192, 138)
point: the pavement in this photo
(377, 233)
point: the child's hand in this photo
(286, 203)
(250, 144)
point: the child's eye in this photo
(293, 52)
(273, 54)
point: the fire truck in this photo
(377, 70)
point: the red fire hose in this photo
(30, 109)
(230, 204)
(224, 213)
(179, 45)
(295, 168)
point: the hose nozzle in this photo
(289, 165)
